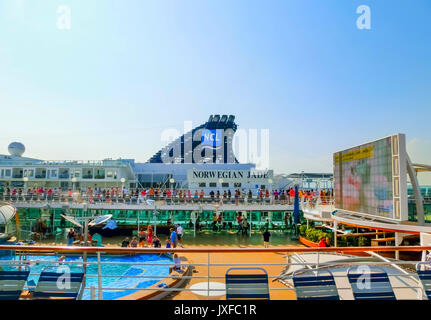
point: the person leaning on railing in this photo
(125, 243)
(109, 195)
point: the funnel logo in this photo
(212, 138)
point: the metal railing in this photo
(142, 200)
(211, 270)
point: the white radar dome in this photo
(16, 149)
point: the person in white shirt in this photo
(180, 235)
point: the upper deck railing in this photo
(404, 280)
(76, 198)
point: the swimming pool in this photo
(119, 271)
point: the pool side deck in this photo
(217, 271)
(220, 271)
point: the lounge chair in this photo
(372, 285)
(425, 278)
(247, 286)
(315, 285)
(12, 282)
(48, 288)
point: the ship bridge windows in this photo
(52, 174)
(29, 173)
(5, 173)
(202, 184)
(64, 185)
(99, 173)
(17, 173)
(87, 173)
(111, 174)
(225, 185)
(76, 173)
(213, 184)
(63, 173)
(40, 173)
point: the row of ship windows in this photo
(223, 185)
(41, 173)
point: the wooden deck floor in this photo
(220, 271)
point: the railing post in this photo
(99, 276)
(92, 293)
(335, 234)
(397, 239)
(84, 280)
(208, 283)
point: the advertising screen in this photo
(367, 178)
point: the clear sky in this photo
(127, 70)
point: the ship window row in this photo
(215, 185)
(60, 173)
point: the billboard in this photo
(371, 178)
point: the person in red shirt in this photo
(150, 235)
(239, 220)
(322, 242)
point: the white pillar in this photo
(397, 253)
(335, 234)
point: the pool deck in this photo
(220, 271)
(217, 271)
(229, 241)
(174, 282)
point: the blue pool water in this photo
(120, 271)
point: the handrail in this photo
(210, 250)
(152, 290)
(141, 200)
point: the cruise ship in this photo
(370, 217)
(201, 159)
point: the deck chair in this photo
(59, 234)
(315, 285)
(247, 286)
(12, 282)
(52, 286)
(97, 240)
(372, 284)
(425, 278)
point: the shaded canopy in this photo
(7, 212)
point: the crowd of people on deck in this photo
(186, 195)
(149, 239)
